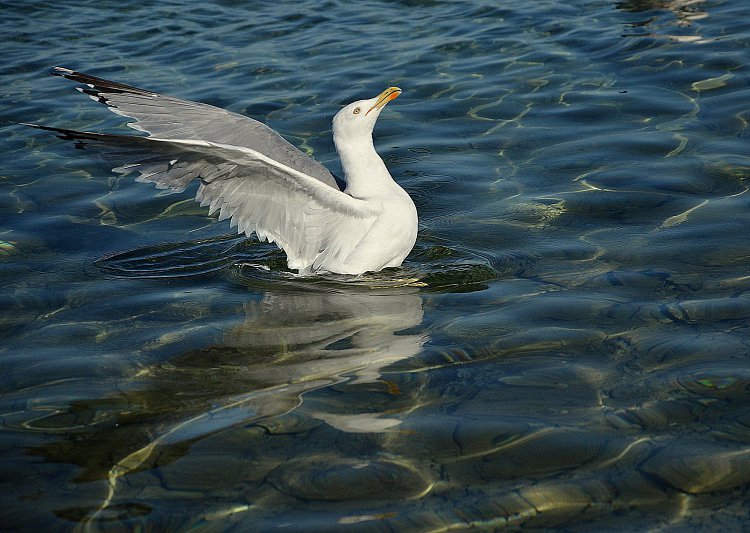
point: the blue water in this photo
(567, 346)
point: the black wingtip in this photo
(99, 85)
(59, 131)
(32, 125)
(67, 135)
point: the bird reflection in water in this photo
(286, 345)
(300, 341)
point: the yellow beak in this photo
(391, 93)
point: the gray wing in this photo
(313, 223)
(172, 118)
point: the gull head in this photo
(358, 118)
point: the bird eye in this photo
(356, 111)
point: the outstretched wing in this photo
(172, 118)
(311, 221)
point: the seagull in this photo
(261, 182)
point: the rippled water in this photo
(566, 347)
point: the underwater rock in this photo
(331, 478)
(700, 470)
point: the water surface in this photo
(566, 347)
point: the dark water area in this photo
(567, 347)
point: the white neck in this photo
(365, 173)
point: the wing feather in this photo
(167, 117)
(315, 224)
